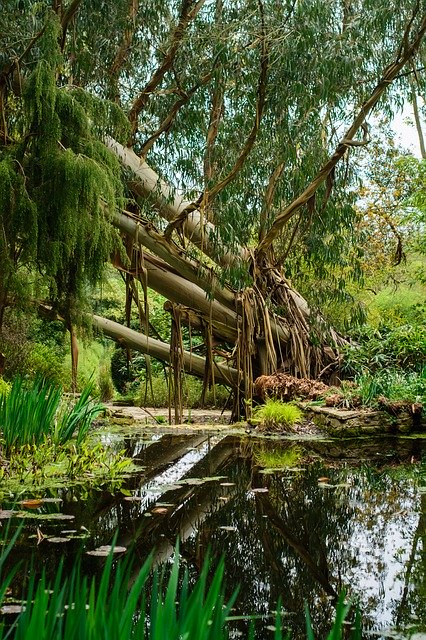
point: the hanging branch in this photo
(405, 53)
(188, 13)
(123, 50)
(207, 197)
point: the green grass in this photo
(276, 415)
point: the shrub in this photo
(401, 347)
(44, 362)
(393, 385)
(275, 415)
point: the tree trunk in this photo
(192, 363)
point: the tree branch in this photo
(187, 15)
(207, 197)
(405, 53)
(168, 120)
(123, 50)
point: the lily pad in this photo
(58, 540)
(105, 550)
(11, 609)
(228, 528)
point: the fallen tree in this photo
(245, 183)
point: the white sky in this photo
(405, 133)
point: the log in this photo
(193, 364)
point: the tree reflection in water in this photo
(349, 515)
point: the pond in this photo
(297, 520)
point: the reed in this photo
(31, 413)
(149, 606)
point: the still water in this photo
(296, 520)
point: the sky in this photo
(405, 133)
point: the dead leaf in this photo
(31, 504)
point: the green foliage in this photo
(31, 413)
(59, 184)
(401, 347)
(393, 385)
(276, 415)
(44, 361)
(76, 418)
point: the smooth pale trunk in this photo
(192, 363)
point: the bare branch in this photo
(187, 15)
(405, 53)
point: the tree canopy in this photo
(252, 112)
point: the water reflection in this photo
(335, 515)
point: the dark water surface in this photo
(336, 515)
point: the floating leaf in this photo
(133, 498)
(58, 540)
(260, 490)
(228, 528)
(227, 484)
(105, 550)
(31, 504)
(12, 608)
(323, 479)
(68, 531)
(160, 510)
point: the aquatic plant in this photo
(276, 415)
(32, 412)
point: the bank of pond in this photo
(302, 524)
